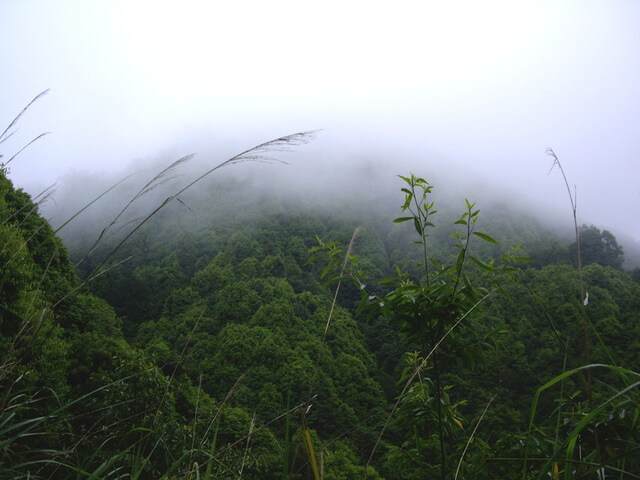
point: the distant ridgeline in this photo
(207, 346)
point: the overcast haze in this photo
(484, 87)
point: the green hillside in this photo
(246, 332)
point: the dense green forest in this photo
(244, 332)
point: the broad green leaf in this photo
(469, 290)
(313, 259)
(481, 264)
(326, 270)
(402, 219)
(485, 237)
(418, 227)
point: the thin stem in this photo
(473, 434)
(573, 198)
(423, 224)
(585, 321)
(464, 256)
(443, 453)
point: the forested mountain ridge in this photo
(219, 333)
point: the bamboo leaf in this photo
(486, 237)
(418, 227)
(469, 288)
(326, 270)
(481, 264)
(534, 405)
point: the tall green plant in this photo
(431, 311)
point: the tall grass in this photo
(600, 437)
(22, 420)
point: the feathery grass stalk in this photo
(6, 134)
(155, 182)
(574, 209)
(25, 147)
(254, 154)
(70, 219)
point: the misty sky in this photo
(482, 86)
